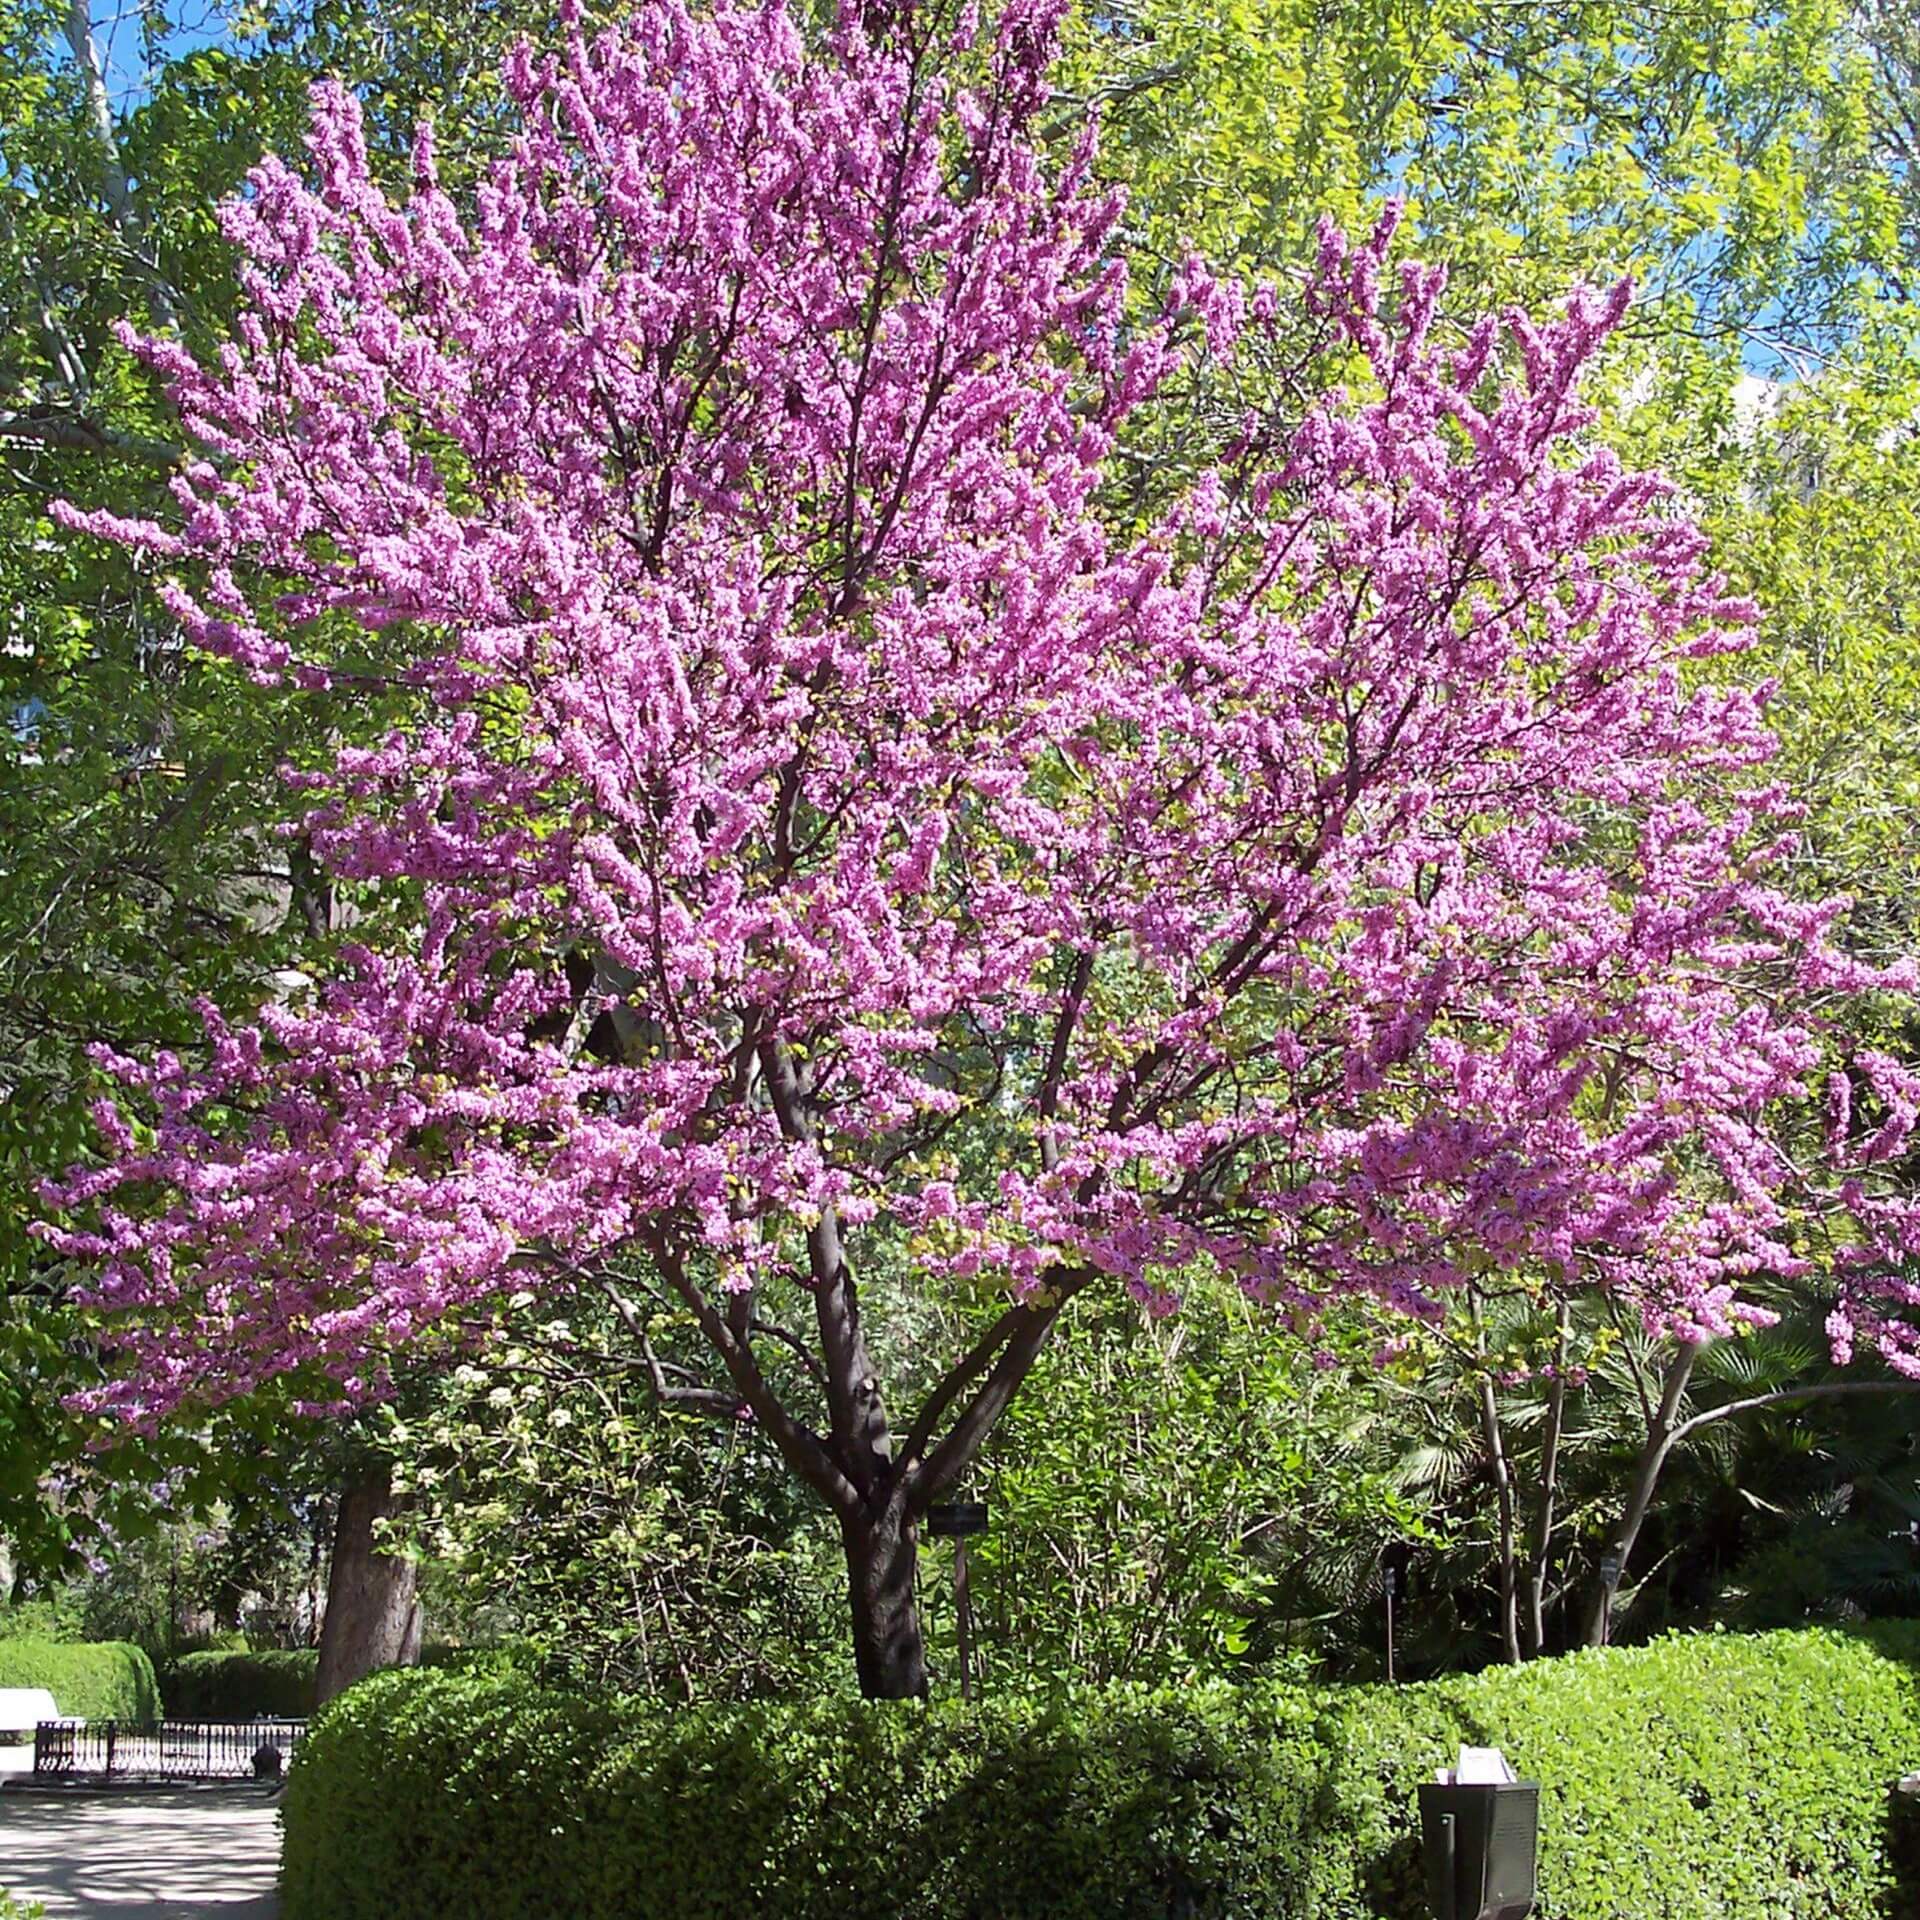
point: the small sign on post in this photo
(1393, 1569)
(954, 1520)
(1612, 1565)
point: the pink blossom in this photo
(1337, 877)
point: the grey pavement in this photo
(133, 1853)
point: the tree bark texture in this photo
(882, 1554)
(1646, 1477)
(1541, 1560)
(373, 1608)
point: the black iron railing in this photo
(173, 1750)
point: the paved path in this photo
(179, 1853)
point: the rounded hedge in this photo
(221, 1685)
(100, 1680)
(1725, 1778)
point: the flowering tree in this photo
(864, 806)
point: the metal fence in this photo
(173, 1750)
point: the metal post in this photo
(1612, 1565)
(963, 1606)
(111, 1730)
(1392, 1581)
(1449, 1852)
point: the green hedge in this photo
(236, 1686)
(1720, 1778)
(104, 1680)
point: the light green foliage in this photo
(56, 1617)
(103, 1680)
(1722, 153)
(1828, 539)
(1717, 1777)
(1164, 1495)
(552, 1503)
(1748, 167)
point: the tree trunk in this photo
(889, 1655)
(373, 1610)
(1509, 1547)
(1542, 1559)
(1646, 1477)
(1502, 1472)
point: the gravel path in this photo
(130, 1853)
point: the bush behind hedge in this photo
(102, 1680)
(222, 1685)
(1723, 1778)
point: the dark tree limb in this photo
(1541, 1556)
(76, 433)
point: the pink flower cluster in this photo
(1328, 862)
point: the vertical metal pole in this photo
(1612, 1565)
(110, 1737)
(963, 1607)
(1450, 1900)
(1392, 1582)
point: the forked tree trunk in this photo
(373, 1608)
(889, 1654)
(1646, 1477)
(1542, 1559)
(1502, 1471)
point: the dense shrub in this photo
(501, 1659)
(1723, 1778)
(56, 1618)
(104, 1680)
(237, 1686)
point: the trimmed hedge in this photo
(103, 1680)
(237, 1686)
(1723, 1778)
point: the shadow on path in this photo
(158, 1854)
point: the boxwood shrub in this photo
(1720, 1777)
(103, 1680)
(237, 1686)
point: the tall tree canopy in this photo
(850, 811)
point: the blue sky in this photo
(117, 32)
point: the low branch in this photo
(959, 1377)
(1016, 1360)
(1542, 1555)
(1056, 1065)
(1786, 1396)
(75, 433)
(802, 1449)
(666, 1392)
(1661, 1428)
(794, 1344)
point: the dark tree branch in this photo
(669, 1394)
(1056, 1066)
(1015, 1362)
(76, 433)
(799, 1446)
